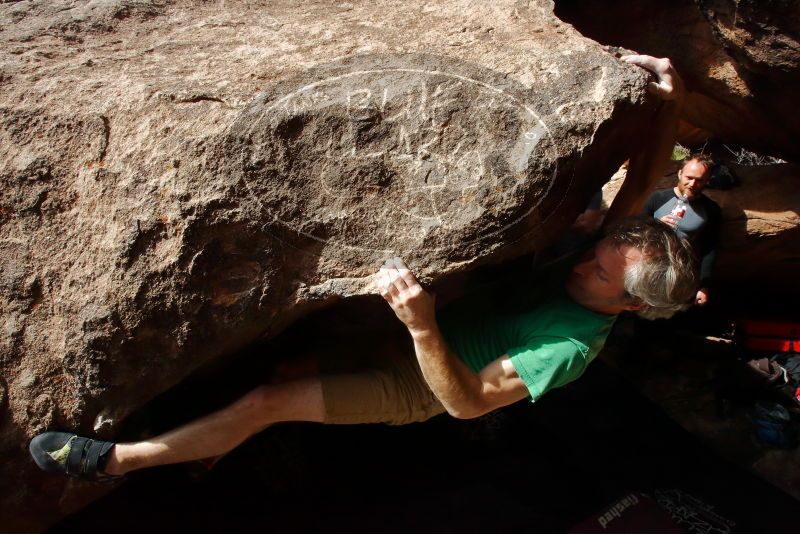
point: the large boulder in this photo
(179, 179)
(740, 60)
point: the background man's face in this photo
(598, 280)
(692, 179)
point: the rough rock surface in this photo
(759, 247)
(740, 60)
(179, 179)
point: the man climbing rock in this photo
(475, 356)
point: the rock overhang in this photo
(180, 201)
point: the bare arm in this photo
(647, 165)
(463, 393)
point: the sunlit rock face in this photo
(179, 179)
(760, 243)
(740, 60)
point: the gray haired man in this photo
(470, 359)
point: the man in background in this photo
(692, 214)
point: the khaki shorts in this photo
(387, 387)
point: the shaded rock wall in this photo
(760, 246)
(179, 179)
(740, 60)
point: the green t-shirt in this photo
(549, 337)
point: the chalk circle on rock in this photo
(393, 153)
